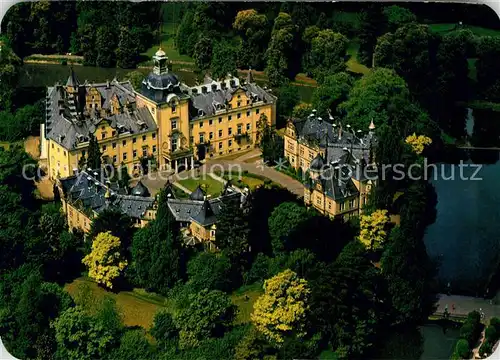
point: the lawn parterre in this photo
(211, 186)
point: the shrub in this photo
(462, 349)
(64, 62)
(491, 334)
(495, 322)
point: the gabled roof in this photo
(206, 215)
(198, 194)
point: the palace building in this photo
(164, 118)
(84, 196)
(338, 161)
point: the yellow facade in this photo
(299, 154)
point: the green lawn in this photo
(137, 307)
(211, 186)
(244, 304)
(244, 180)
(352, 63)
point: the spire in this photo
(160, 60)
(250, 76)
(372, 125)
(72, 79)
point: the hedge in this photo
(469, 335)
(491, 336)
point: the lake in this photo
(465, 236)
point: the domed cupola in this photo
(198, 194)
(160, 78)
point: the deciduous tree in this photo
(373, 231)
(105, 262)
(282, 309)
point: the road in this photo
(466, 304)
(155, 181)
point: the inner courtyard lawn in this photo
(211, 186)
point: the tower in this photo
(160, 62)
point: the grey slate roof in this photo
(140, 190)
(186, 210)
(85, 191)
(198, 194)
(337, 185)
(67, 125)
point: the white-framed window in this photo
(351, 203)
(249, 127)
(239, 129)
(174, 124)
(202, 138)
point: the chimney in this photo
(204, 89)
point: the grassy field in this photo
(477, 30)
(137, 307)
(353, 64)
(211, 186)
(244, 298)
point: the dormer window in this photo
(201, 112)
(174, 108)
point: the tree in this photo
(418, 143)
(133, 346)
(127, 53)
(158, 260)
(187, 35)
(80, 336)
(9, 71)
(288, 98)
(210, 271)
(254, 31)
(372, 25)
(231, 234)
(302, 111)
(371, 98)
(373, 229)
(203, 53)
(164, 329)
(223, 60)
(252, 346)
(488, 75)
(328, 50)
(105, 47)
(94, 154)
(105, 262)
(28, 306)
(209, 314)
(123, 177)
(282, 309)
(333, 91)
(412, 52)
(135, 78)
(269, 141)
(284, 220)
(279, 55)
(398, 16)
(116, 222)
(349, 303)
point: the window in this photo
(238, 103)
(211, 135)
(174, 108)
(329, 205)
(52, 146)
(103, 135)
(311, 155)
(154, 149)
(257, 111)
(342, 206)
(64, 152)
(113, 145)
(144, 151)
(230, 143)
(124, 156)
(114, 158)
(201, 124)
(248, 127)
(238, 115)
(134, 153)
(220, 120)
(143, 137)
(104, 147)
(174, 124)
(103, 127)
(229, 131)
(124, 142)
(58, 150)
(318, 200)
(202, 138)
(134, 140)
(83, 152)
(229, 117)
(153, 136)
(220, 133)
(301, 151)
(113, 133)
(248, 113)
(174, 144)
(239, 129)
(220, 146)
(210, 122)
(191, 139)
(351, 204)
(153, 110)
(248, 102)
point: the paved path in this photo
(155, 181)
(466, 304)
